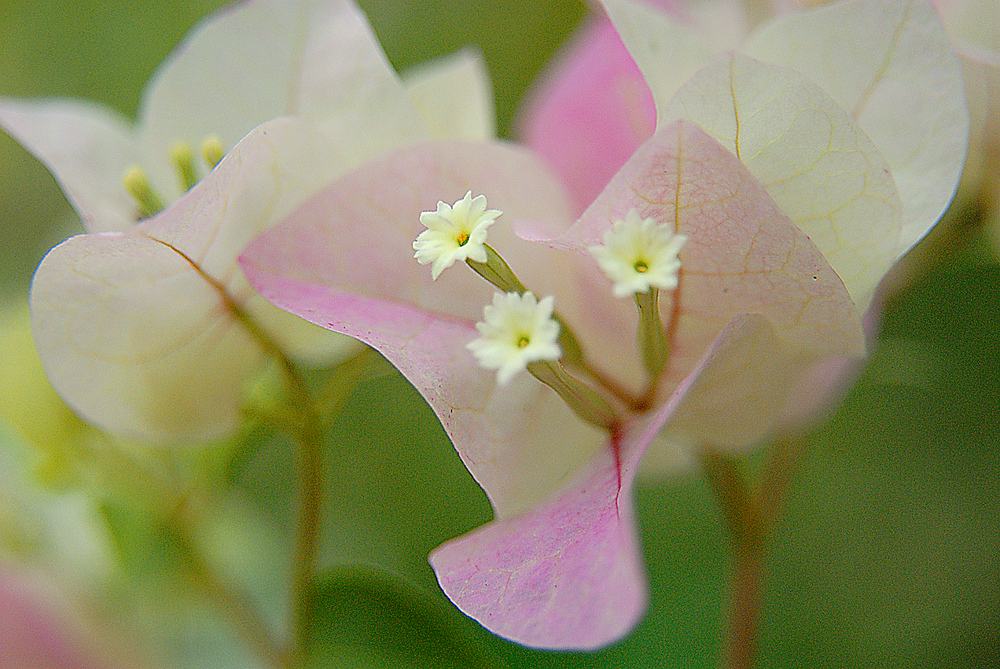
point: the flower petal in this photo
(124, 357)
(890, 65)
(820, 168)
(87, 148)
(136, 330)
(591, 112)
(669, 50)
(567, 575)
(454, 96)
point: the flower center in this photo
(523, 341)
(641, 266)
(462, 238)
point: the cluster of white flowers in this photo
(638, 255)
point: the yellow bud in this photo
(137, 184)
(180, 154)
(212, 150)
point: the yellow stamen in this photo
(180, 154)
(212, 150)
(137, 184)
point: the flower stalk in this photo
(747, 530)
(751, 517)
(586, 402)
(652, 339)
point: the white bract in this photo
(454, 232)
(142, 327)
(639, 254)
(518, 330)
(852, 115)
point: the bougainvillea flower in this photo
(560, 565)
(758, 308)
(140, 325)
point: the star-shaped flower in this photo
(454, 232)
(639, 254)
(516, 330)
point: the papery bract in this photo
(832, 147)
(899, 82)
(779, 191)
(592, 108)
(974, 28)
(141, 327)
(559, 567)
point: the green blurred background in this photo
(889, 555)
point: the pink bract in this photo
(758, 305)
(590, 112)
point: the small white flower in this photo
(517, 330)
(454, 233)
(639, 254)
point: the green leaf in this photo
(361, 617)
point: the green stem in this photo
(782, 466)
(747, 531)
(581, 398)
(232, 604)
(652, 338)
(310, 504)
(751, 519)
(307, 428)
(497, 271)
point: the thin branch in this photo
(240, 613)
(742, 516)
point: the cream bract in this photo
(141, 325)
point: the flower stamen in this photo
(137, 184)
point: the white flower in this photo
(639, 254)
(454, 233)
(517, 330)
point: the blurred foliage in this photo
(365, 618)
(887, 555)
